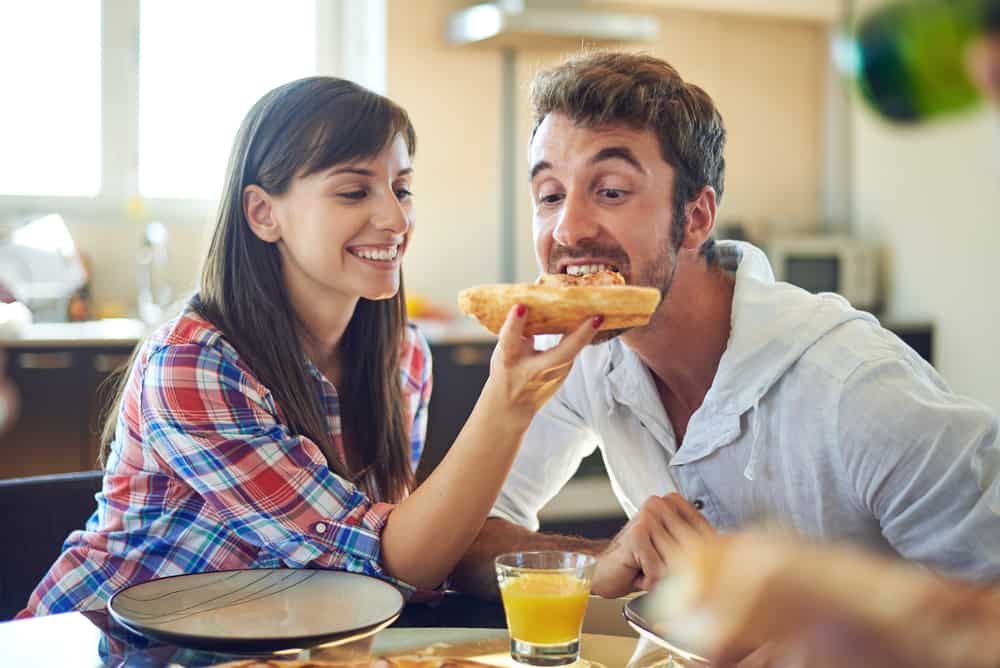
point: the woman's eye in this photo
(553, 198)
(403, 193)
(612, 193)
(354, 194)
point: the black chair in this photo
(37, 514)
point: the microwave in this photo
(844, 265)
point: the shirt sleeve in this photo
(419, 373)
(216, 427)
(926, 464)
(555, 443)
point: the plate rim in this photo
(204, 641)
(644, 628)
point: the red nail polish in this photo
(597, 321)
(520, 310)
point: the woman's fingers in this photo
(562, 355)
(511, 341)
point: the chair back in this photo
(39, 512)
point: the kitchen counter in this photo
(113, 332)
(127, 332)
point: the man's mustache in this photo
(614, 254)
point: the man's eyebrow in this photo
(617, 153)
(609, 153)
(405, 172)
(539, 166)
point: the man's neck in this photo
(687, 337)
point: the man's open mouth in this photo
(584, 269)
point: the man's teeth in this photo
(581, 269)
(378, 254)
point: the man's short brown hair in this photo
(640, 91)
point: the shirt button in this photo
(698, 504)
(320, 527)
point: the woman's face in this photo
(342, 231)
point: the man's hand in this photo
(640, 554)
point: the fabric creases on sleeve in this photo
(209, 421)
(556, 442)
(419, 373)
(923, 461)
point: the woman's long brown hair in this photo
(295, 130)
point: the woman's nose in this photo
(391, 216)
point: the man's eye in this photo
(554, 198)
(612, 193)
(354, 194)
(403, 193)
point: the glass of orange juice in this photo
(544, 597)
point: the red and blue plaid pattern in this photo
(204, 475)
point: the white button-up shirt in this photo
(818, 419)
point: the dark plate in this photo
(257, 610)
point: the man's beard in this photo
(659, 274)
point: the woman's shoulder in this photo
(191, 331)
(188, 326)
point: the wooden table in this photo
(458, 626)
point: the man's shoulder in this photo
(855, 344)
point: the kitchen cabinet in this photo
(56, 430)
(460, 371)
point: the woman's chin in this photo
(377, 295)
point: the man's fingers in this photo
(651, 563)
(682, 508)
(667, 545)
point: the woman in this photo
(278, 420)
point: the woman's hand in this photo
(432, 528)
(523, 378)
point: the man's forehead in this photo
(560, 138)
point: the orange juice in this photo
(545, 608)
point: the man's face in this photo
(602, 196)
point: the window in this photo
(197, 79)
(50, 113)
(107, 100)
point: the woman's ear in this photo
(259, 212)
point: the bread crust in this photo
(557, 309)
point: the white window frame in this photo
(350, 42)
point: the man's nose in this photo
(576, 222)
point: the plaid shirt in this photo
(203, 475)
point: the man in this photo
(743, 399)
(875, 612)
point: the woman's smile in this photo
(384, 256)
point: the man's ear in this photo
(258, 208)
(700, 219)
